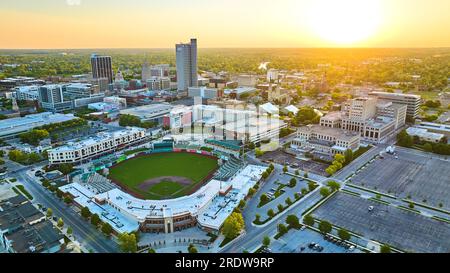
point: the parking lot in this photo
(413, 174)
(283, 158)
(299, 241)
(402, 229)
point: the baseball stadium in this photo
(166, 188)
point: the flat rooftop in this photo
(22, 124)
(102, 136)
(148, 111)
(335, 132)
(394, 95)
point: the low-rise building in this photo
(424, 135)
(435, 127)
(237, 93)
(150, 112)
(102, 143)
(24, 229)
(325, 140)
(14, 126)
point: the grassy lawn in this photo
(22, 189)
(166, 188)
(133, 172)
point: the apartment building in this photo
(102, 143)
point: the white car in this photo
(370, 208)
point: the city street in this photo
(90, 238)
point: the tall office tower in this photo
(102, 67)
(187, 65)
(146, 72)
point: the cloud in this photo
(73, 2)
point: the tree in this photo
(60, 223)
(18, 156)
(325, 226)
(34, 137)
(333, 185)
(151, 250)
(233, 225)
(258, 152)
(264, 175)
(305, 175)
(49, 213)
(331, 170)
(292, 182)
(288, 201)
(280, 207)
(339, 158)
(285, 169)
(46, 183)
(129, 120)
(85, 212)
(251, 191)
(292, 221)
(69, 231)
(266, 241)
(67, 199)
(95, 219)
(65, 168)
(106, 229)
(192, 249)
(257, 218)
(34, 158)
(59, 193)
(311, 186)
(344, 234)
(385, 249)
(264, 199)
(282, 229)
(241, 204)
(127, 242)
(348, 156)
(308, 220)
(427, 147)
(297, 172)
(270, 213)
(405, 140)
(324, 191)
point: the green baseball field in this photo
(164, 175)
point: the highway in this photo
(89, 237)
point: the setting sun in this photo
(345, 22)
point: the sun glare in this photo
(345, 22)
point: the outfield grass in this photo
(133, 172)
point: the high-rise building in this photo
(102, 67)
(187, 65)
(51, 98)
(146, 72)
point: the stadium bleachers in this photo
(95, 182)
(229, 169)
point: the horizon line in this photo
(170, 48)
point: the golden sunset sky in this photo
(224, 23)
